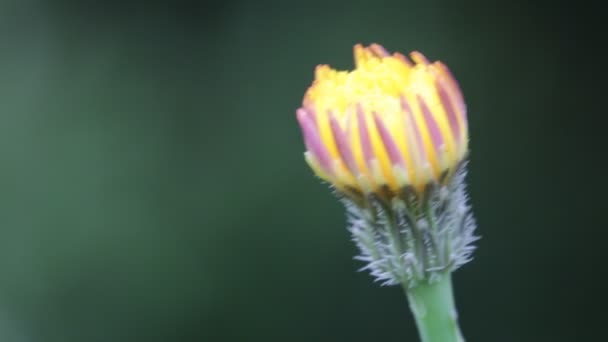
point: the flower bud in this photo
(390, 124)
(391, 137)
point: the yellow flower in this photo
(392, 123)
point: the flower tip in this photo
(363, 54)
(403, 59)
(378, 50)
(419, 58)
(358, 48)
(304, 119)
(301, 114)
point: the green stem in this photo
(434, 310)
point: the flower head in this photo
(392, 137)
(392, 123)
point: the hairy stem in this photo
(434, 310)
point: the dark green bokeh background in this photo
(153, 186)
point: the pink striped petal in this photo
(449, 110)
(405, 105)
(342, 144)
(312, 140)
(431, 124)
(412, 123)
(455, 92)
(366, 144)
(312, 114)
(389, 144)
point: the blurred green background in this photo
(153, 186)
